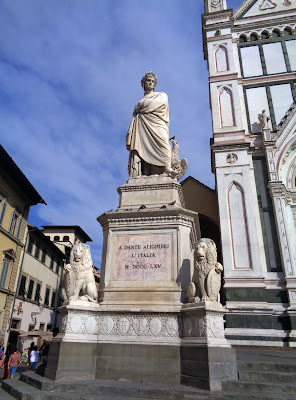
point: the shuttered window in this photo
(4, 272)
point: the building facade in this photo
(39, 291)
(17, 195)
(65, 236)
(251, 58)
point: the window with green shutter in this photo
(22, 288)
(46, 300)
(30, 290)
(4, 272)
(2, 212)
(52, 304)
(37, 292)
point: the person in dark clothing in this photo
(6, 360)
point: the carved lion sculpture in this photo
(207, 273)
(79, 281)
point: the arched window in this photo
(253, 37)
(265, 35)
(66, 239)
(276, 33)
(56, 239)
(288, 31)
(226, 108)
(221, 59)
(243, 39)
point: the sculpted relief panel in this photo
(143, 257)
(122, 324)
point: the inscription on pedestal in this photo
(143, 257)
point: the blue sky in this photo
(70, 75)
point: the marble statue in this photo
(207, 273)
(147, 138)
(79, 281)
(263, 120)
(178, 165)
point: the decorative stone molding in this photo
(126, 324)
(283, 235)
(200, 325)
(223, 14)
(159, 186)
(230, 147)
(285, 120)
(266, 5)
(203, 323)
(294, 218)
(148, 220)
(276, 189)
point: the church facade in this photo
(251, 58)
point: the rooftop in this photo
(77, 228)
(18, 179)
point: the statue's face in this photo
(201, 250)
(78, 253)
(149, 84)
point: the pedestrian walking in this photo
(6, 360)
(33, 358)
(14, 362)
(1, 354)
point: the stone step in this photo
(132, 389)
(5, 396)
(37, 381)
(258, 387)
(21, 390)
(267, 377)
(259, 366)
(126, 391)
(211, 396)
(250, 396)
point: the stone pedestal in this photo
(207, 358)
(148, 247)
(140, 329)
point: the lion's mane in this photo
(85, 263)
(211, 255)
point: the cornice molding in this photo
(217, 14)
(230, 146)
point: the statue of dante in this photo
(147, 139)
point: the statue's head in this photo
(205, 249)
(149, 81)
(80, 252)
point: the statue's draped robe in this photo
(148, 135)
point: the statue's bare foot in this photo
(171, 172)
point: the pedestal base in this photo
(187, 346)
(138, 362)
(207, 358)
